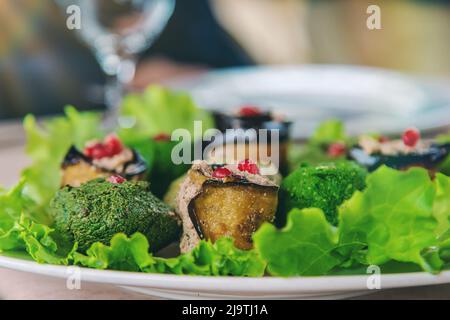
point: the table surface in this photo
(20, 285)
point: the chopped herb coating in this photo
(325, 186)
(98, 209)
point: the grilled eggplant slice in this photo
(78, 168)
(393, 154)
(234, 204)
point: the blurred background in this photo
(44, 65)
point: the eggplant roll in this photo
(251, 117)
(372, 154)
(223, 201)
(77, 168)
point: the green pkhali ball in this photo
(324, 186)
(99, 209)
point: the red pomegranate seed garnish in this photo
(113, 145)
(162, 137)
(248, 166)
(116, 179)
(221, 173)
(109, 148)
(411, 137)
(249, 111)
(336, 149)
(89, 150)
(100, 152)
(96, 151)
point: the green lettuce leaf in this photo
(36, 240)
(397, 218)
(131, 254)
(315, 150)
(441, 206)
(159, 110)
(303, 247)
(445, 165)
(47, 145)
(162, 170)
(11, 205)
(219, 259)
(329, 131)
(393, 216)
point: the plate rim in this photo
(223, 284)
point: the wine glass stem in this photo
(116, 87)
(114, 91)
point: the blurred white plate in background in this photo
(366, 99)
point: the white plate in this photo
(364, 98)
(196, 287)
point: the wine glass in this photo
(117, 30)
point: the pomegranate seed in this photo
(336, 149)
(89, 150)
(411, 137)
(221, 173)
(249, 111)
(96, 151)
(162, 137)
(248, 166)
(113, 145)
(99, 153)
(116, 179)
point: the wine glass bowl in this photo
(117, 30)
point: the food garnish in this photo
(337, 149)
(221, 173)
(161, 137)
(116, 179)
(411, 137)
(249, 166)
(110, 147)
(250, 111)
